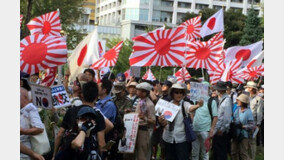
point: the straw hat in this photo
(243, 98)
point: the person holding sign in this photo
(174, 137)
(146, 111)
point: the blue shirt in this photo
(246, 119)
(108, 109)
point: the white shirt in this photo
(29, 119)
(178, 134)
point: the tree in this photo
(252, 30)
(70, 12)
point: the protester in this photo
(78, 120)
(256, 106)
(205, 118)
(27, 151)
(146, 110)
(81, 79)
(122, 102)
(165, 90)
(30, 121)
(90, 73)
(105, 104)
(176, 146)
(231, 94)
(120, 77)
(34, 78)
(244, 124)
(109, 76)
(69, 125)
(221, 137)
(131, 88)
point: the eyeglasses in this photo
(77, 82)
(179, 92)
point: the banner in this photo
(135, 71)
(198, 91)
(168, 109)
(60, 97)
(131, 121)
(41, 96)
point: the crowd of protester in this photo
(224, 124)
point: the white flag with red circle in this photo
(257, 60)
(159, 48)
(48, 24)
(127, 74)
(252, 73)
(192, 27)
(49, 76)
(109, 59)
(149, 76)
(247, 53)
(203, 54)
(39, 52)
(231, 72)
(84, 55)
(182, 75)
(213, 24)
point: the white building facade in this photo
(133, 16)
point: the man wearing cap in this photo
(256, 106)
(131, 88)
(146, 110)
(221, 139)
(121, 100)
(120, 77)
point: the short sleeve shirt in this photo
(202, 118)
(178, 134)
(29, 118)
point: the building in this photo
(133, 16)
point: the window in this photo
(166, 17)
(144, 2)
(167, 4)
(123, 14)
(237, 1)
(156, 16)
(157, 2)
(143, 14)
(92, 22)
(184, 5)
(132, 14)
(217, 7)
(201, 6)
(84, 18)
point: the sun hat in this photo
(132, 84)
(220, 86)
(144, 85)
(177, 86)
(243, 98)
(251, 84)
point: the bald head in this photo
(24, 98)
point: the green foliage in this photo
(70, 12)
(252, 30)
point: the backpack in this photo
(117, 132)
(210, 105)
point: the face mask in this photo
(80, 124)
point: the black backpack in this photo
(117, 132)
(210, 105)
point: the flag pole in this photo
(203, 73)
(110, 72)
(160, 74)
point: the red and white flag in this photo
(257, 60)
(215, 75)
(218, 38)
(203, 54)
(101, 50)
(214, 24)
(182, 75)
(231, 72)
(84, 55)
(48, 24)
(109, 59)
(145, 34)
(159, 48)
(192, 27)
(149, 76)
(252, 73)
(247, 53)
(39, 52)
(127, 74)
(49, 76)
(21, 19)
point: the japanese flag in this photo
(127, 74)
(214, 24)
(84, 55)
(103, 71)
(245, 52)
(257, 60)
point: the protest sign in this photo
(198, 91)
(41, 96)
(131, 121)
(168, 109)
(135, 71)
(60, 97)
